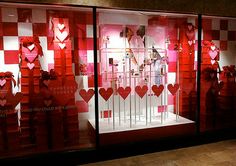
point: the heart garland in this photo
(124, 92)
(106, 94)
(86, 95)
(157, 89)
(141, 91)
(173, 88)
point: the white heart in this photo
(190, 42)
(30, 65)
(62, 36)
(31, 47)
(213, 47)
(2, 82)
(3, 102)
(61, 26)
(62, 45)
(213, 61)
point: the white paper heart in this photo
(213, 47)
(2, 82)
(31, 47)
(190, 42)
(62, 45)
(62, 36)
(3, 102)
(60, 26)
(213, 61)
(30, 65)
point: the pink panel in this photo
(170, 99)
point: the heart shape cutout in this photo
(86, 95)
(62, 91)
(62, 36)
(213, 54)
(190, 42)
(31, 47)
(173, 88)
(47, 102)
(60, 26)
(124, 92)
(106, 94)
(2, 82)
(212, 62)
(30, 65)
(157, 89)
(3, 102)
(213, 47)
(190, 35)
(14, 100)
(62, 45)
(141, 91)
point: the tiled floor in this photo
(217, 154)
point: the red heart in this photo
(141, 91)
(213, 54)
(30, 65)
(2, 82)
(157, 89)
(124, 92)
(106, 94)
(63, 92)
(3, 102)
(62, 36)
(173, 89)
(14, 99)
(86, 95)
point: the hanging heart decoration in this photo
(157, 89)
(213, 47)
(30, 55)
(141, 91)
(86, 95)
(124, 92)
(62, 35)
(62, 45)
(213, 54)
(3, 102)
(60, 26)
(2, 82)
(30, 65)
(190, 42)
(106, 94)
(173, 88)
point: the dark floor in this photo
(222, 153)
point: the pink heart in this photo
(30, 55)
(213, 54)
(62, 36)
(60, 26)
(213, 61)
(213, 47)
(31, 47)
(30, 65)
(190, 42)
(190, 27)
(62, 45)
(3, 102)
(2, 82)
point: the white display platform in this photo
(168, 119)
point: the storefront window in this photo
(147, 71)
(46, 64)
(218, 88)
